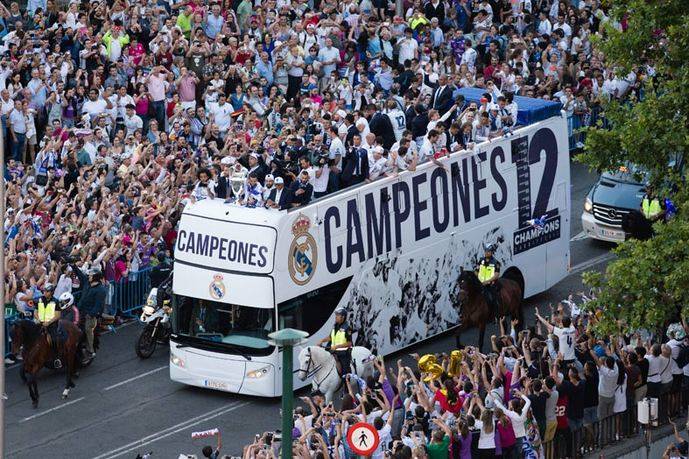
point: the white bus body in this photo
(390, 251)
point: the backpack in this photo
(683, 356)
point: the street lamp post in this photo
(287, 338)
(2, 292)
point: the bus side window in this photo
(311, 311)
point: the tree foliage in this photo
(648, 283)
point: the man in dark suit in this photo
(453, 137)
(351, 129)
(223, 185)
(442, 96)
(279, 196)
(300, 191)
(258, 167)
(355, 168)
(381, 126)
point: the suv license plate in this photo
(613, 234)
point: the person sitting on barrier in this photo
(92, 302)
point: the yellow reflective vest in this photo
(46, 312)
(338, 337)
(486, 272)
(650, 207)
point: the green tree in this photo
(648, 283)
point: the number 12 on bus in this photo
(389, 251)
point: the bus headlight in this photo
(588, 205)
(176, 361)
(255, 374)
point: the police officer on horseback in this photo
(488, 273)
(47, 314)
(68, 310)
(340, 340)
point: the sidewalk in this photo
(637, 447)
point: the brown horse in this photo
(37, 352)
(475, 310)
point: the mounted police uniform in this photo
(487, 268)
(342, 334)
(47, 312)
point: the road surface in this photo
(122, 406)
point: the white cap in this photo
(270, 177)
(228, 160)
(254, 155)
(279, 181)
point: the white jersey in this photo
(399, 122)
(567, 339)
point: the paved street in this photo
(123, 405)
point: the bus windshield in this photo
(217, 324)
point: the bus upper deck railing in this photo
(125, 296)
(574, 135)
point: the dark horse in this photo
(475, 310)
(37, 353)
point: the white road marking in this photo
(579, 236)
(42, 413)
(122, 383)
(591, 262)
(117, 452)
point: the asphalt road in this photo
(123, 406)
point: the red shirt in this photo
(445, 404)
(561, 412)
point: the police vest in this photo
(338, 337)
(650, 207)
(46, 312)
(486, 272)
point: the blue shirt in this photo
(213, 25)
(39, 93)
(265, 69)
(33, 5)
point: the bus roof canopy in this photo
(529, 110)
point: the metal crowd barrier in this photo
(617, 428)
(128, 295)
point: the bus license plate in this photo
(215, 384)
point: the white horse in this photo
(321, 365)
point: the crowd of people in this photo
(115, 114)
(537, 388)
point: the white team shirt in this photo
(399, 122)
(567, 339)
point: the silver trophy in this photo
(237, 183)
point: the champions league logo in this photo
(303, 255)
(217, 287)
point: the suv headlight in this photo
(588, 205)
(261, 372)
